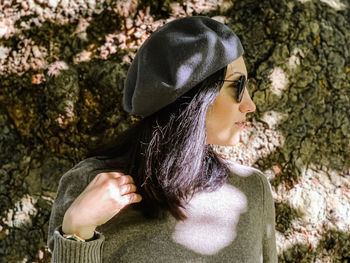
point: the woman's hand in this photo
(102, 199)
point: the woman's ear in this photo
(210, 108)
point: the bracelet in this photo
(76, 237)
(73, 237)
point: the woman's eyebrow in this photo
(235, 73)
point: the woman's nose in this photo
(247, 105)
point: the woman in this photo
(160, 193)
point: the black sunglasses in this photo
(241, 83)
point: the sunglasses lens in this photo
(242, 82)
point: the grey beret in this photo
(175, 58)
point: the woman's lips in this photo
(243, 124)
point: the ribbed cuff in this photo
(73, 251)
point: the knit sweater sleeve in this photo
(70, 186)
(269, 237)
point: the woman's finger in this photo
(115, 174)
(125, 179)
(127, 188)
(131, 198)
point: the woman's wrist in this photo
(86, 232)
(77, 237)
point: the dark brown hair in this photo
(167, 155)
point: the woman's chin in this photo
(232, 141)
(236, 139)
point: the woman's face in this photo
(225, 117)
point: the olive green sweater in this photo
(236, 223)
